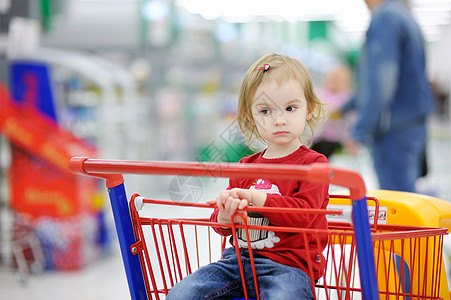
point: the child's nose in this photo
(280, 119)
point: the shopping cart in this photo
(362, 261)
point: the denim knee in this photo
(284, 282)
(210, 281)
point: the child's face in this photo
(280, 113)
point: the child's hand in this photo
(244, 195)
(229, 201)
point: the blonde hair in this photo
(281, 68)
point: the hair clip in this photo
(265, 67)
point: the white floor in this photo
(104, 279)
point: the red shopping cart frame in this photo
(408, 259)
(112, 171)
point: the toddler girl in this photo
(276, 103)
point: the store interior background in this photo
(158, 80)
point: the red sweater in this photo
(286, 248)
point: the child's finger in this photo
(243, 218)
(243, 203)
(246, 216)
(234, 205)
(228, 204)
(219, 204)
(223, 195)
(233, 193)
(211, 202)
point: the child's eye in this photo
(291, 108)
(265, 111)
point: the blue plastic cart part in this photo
(124, 229)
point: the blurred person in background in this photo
(393, 97)
(336, 92)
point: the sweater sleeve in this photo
(309, 195)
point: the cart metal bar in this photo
(318, 173)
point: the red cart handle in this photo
(111, 170)
(77, 164)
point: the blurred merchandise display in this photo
(83, 94)
(27, 254)
(41, 189)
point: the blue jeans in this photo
(221, 280)
(398, 158)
